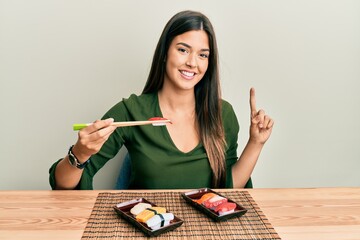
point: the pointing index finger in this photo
(252, 102)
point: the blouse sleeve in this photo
(231, 129)
(106, 153)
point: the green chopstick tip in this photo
(79, 126)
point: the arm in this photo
(260, 131)
(90, 140)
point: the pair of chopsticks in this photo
(153, 121)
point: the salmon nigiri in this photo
(205, 197)
(214, 201)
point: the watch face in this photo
(72, 160)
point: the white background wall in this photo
(64, 62)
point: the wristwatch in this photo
(74, 161)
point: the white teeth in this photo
(188, 74)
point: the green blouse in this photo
(156, 162)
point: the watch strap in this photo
(74, 161)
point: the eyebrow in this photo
(188, 46)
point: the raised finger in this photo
(252, 102)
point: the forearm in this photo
(66, 175)
(243, 168)
(90, 140)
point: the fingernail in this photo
(110, 120)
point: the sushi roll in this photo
(138, 208)
(214, 201)
(225, 208)
(148, 213)
(160, 220)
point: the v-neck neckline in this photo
(167, 133)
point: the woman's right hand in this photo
(92, 138)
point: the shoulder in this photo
(227, 109)
(226, 105)
(142, 99)
(229, 118)
(132, 107)
(135, 101)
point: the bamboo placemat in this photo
(104, 223)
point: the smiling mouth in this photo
(187, 74)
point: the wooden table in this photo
(311, 213)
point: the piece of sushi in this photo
(148, 213)
(160, 220)
(205, 197)
(214, 201)
(225, 208)
(157, 119)
(138, 208)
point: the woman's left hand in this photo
(261, 124)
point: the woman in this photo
(199, 148)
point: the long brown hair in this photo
(207, 91)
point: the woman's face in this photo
(187, 60)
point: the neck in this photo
(177, 101)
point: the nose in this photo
(191, 61)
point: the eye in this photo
(204, 55)
(183, 50)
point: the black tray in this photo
(123, 210)
(196, 194)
